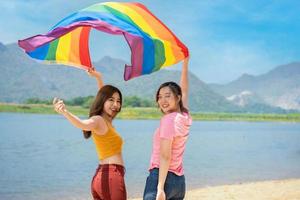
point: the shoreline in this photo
(287, 189)
(150, 113)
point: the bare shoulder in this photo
(102, 127)
(96, 118)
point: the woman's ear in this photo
(178, 98)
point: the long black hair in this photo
(176, 90)
(97, 106)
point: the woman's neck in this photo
(107, 118)
(175, 110)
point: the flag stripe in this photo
(153, 45)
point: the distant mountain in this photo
(2, 47)
(280, 87)
(244, 98)
(22, 78)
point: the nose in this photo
(162, 101)
(116, 104)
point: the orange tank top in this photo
(108, 144)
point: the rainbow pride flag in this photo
(153, 46)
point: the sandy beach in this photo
(266, 190)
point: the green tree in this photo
(37, 101)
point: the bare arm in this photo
(97, 75)
(88, 124)
(165, 158)
(184, 82)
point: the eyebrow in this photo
(115, 98)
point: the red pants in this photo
(108, 183)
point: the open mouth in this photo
(164, 106)
(114, 110)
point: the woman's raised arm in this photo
(184, 82)
(97, 75)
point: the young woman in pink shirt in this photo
(166, 179)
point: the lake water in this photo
(44, 157)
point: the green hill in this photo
(22, 78)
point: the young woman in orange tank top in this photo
(108, 182)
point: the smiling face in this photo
(167, 101)
(112, 105)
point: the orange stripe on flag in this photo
(74, 56)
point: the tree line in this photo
(130, 101)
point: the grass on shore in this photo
(152, 113)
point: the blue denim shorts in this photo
(174, 186)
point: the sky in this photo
(226, 38)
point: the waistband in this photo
(113, 167)
(155, 171)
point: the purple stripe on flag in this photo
(137, 52)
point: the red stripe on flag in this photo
(84, 47)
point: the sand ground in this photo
(266, 190)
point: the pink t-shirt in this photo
(174, 126)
